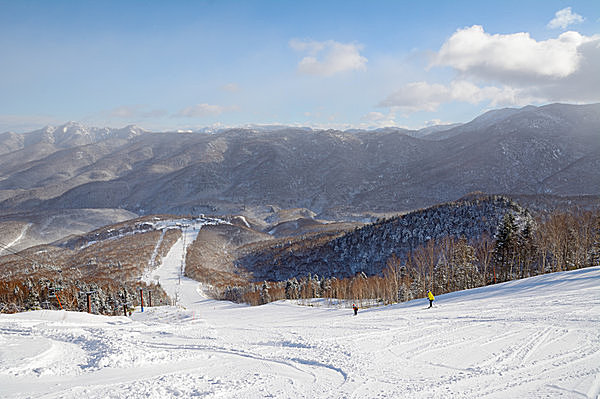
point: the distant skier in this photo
(430, 297)
(355, 308)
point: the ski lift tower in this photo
(88, 295)
(53, 293)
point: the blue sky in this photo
(187, 64)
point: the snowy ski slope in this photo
(537, 337)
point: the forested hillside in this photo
(367, 249)
(449, 247)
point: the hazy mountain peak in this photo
(552, 149)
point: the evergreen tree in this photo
(292, 289)
(526, 249)
(505, 242)
(463, 261)
(264, 294)
(325, 287)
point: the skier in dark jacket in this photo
(355, 308)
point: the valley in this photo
(322, 212)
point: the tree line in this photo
(107, 296)
(520, 248)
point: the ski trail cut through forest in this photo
(16, 240)
(171, 272)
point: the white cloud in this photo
(202, 110)
(374, 116)
(564, 18)
(329, 57)
(508, 69)
(512, 57)
(378, 119)
(423, 96)
(582, 86)
(436, 122)
(231, 87)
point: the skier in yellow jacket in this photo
(430, 297)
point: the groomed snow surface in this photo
(532, 338)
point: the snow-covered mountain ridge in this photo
(553, 149)
(74, 134)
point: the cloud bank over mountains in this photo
(508, 69)
(513, 57)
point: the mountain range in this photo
(88, 203)
(552, 149)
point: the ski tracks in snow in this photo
(470, 348)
